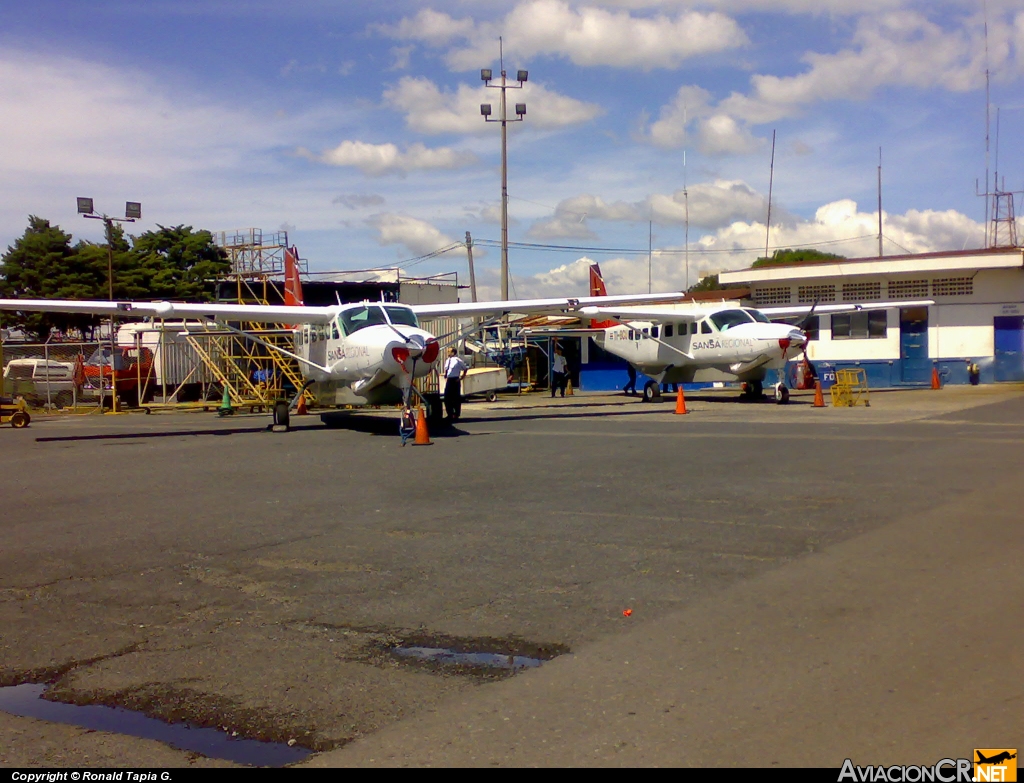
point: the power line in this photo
(638, 250)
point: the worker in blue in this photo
(454, 371)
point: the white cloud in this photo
(585, 35)
(707, 205)
(428, 109)
(900, 48)
(738, 244)
(417, 236)
(376, 160)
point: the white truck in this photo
(40, 381)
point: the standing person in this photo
(630, 387)
(454, 371)
(558, 375)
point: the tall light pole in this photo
(485, 110)
(132, 212)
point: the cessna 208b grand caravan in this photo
(365, 353)
(701, 342)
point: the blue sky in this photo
(357, 128)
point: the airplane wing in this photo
(234, 312)
(625, 314)
(799, 310)
(538, 305)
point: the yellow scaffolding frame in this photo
(850, 388)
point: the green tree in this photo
(709, 283)
(801, 255)
(42, 264)
(176, 263)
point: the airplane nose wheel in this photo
(781, 394)
(652, 391)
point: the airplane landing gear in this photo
(753, 390)
(282, 417)
(781, 394)
(652, 391)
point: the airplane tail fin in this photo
(597, 288)
(292, 283)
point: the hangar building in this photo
(977, 315)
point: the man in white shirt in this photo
(454, 371)
(558, 374)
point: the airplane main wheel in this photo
(651, 391)
(756, 390)
(282, 417)
(781, 394)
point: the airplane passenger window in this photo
(668, 330)
(360, 317)
(646, 331)
(726, 319)
(705, 328)
(654, 331)
(334, 330)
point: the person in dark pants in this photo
(454, 371)
(630, 387)
(558, 372)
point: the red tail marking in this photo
(292, 283)
(597, 288)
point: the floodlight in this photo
(132, 210)
(520, 109)
(485, 109)
(85, 206)
(521, 76)
(485, 74)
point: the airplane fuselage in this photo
(742, 346)
(366, 353)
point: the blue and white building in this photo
(977, 315)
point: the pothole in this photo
(27, 701)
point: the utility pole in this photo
(132, 212)
(879, 202)
(472, 271)
(485, 110)
(771, 180)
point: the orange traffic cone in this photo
(568, 388)
(422, 436)
(680, 401)
(936, 381)
(819, 399)
(300, 409)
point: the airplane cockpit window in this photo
(726, 319)
(360, 317)
(334, 330)
(401, 316)
(757, 315)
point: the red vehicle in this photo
(131, 365)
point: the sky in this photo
(646, 143)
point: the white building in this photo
(977, 315)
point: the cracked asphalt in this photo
(205, 569)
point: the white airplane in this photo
(367, 353)
(720, 341)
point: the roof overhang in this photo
(1008, 258)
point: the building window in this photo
(862, 292)
(861, 325)
(809, 294)
(952, 286)
(908, 289)
(773, 296)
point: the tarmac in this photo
(746, 585)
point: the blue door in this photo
(914, 362)
(1009, 343)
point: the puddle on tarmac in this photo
(24, 700)
(482, 660)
